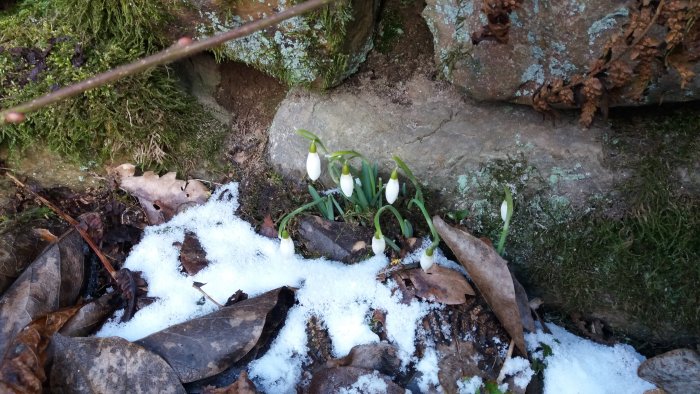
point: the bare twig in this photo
(198, 286)
(72, 222)
(182, 49)
(502, 373)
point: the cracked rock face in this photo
(439, 134)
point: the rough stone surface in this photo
(677, 371)
(547, 40)
(320, 48)
(440, 135)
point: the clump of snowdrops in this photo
(360, 190)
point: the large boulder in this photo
(320, 48)
(548, 41)
(441, 136)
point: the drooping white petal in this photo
(392, 190)
(504, 210)
(378, 245)
(347, 184)
(287, 247)
(313, 165)
(426, 261)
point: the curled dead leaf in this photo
(490, 274)
(439, 284)
(160, 196)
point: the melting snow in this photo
(341, 296)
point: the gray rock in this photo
(677, 371)
(547, 40)
(440, 135)
(320, 48)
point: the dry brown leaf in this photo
(333, 380)
(490, 274)
(207, 345)
(90, 316)
(267, 228)
(192, 256)
(243, 385)
(23, 366)
(108, 365)
(51, 282)
(439, 284)
(161, 197)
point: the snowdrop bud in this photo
(378, 244)
(313, 163)
(346, 181)
(504, 211)
(286, 245)
(427, 260)
(392, 188)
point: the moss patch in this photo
(48, 45)
(631, 256)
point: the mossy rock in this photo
(144, 118)
(320, 48)
(630, 257)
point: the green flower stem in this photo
(407, 171)
(502, 241)
(436, 237)
(313, 137)
(283, 223)
(509, 214)
(396, 213)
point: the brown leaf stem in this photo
(181, 49)
(108, 266)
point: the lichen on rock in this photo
(321, 48)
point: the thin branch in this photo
(72, 222)
(185, 47)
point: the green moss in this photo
(53, 44)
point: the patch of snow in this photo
(519, 369)
(341, 296)
(428, 367)
(579, 366)
(366, 384)
(469, 386)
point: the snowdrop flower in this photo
(504, 211)
(378, 243)
(427, 259)
(346, 181)
(392, 188)
(313, 163)
(286, 245)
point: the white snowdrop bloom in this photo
(347, 184)
(426, 260)
(504, 210)
(286, 245)
(378, 244)
(313, 163)
(392, 188)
